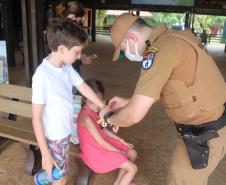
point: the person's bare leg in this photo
(120, 174)
(132, 155)
(130, 169)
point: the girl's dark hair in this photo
(63, 31)
(96, 85)
(70, 7)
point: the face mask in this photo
(133, 57)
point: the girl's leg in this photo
(132, 155)
(129, 169)
(120, 174)
(62, 181)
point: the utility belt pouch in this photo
(197, 147)
(196, 139)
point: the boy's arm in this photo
(87, 122)
(86, 91)
(47, 160)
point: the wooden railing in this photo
(211, 38)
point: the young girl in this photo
(100, 149)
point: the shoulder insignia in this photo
(153, 49)
(149, 57)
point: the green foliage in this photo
(201, 21)
(205, 21)
(168, 18)
(100, 15)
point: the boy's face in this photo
(69, 56)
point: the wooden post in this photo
(192, 20)
(33, 34)
(89, 21)
(33, 40)
(187, 20)
(40, 27)
(93, 31)
(25, 40)
(9, 31)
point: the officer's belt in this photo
(212, 125)
(196, 139)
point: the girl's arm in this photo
(86, 91)
(47, 160)
(110, 134)
(88, 123)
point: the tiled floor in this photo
(154, 137)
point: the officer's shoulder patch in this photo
(148, 57)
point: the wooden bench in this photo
(15, 101)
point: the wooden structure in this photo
(16, 101)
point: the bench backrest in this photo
(21, 129)
(9, 94)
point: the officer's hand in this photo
(103, 111)
(115, 129)
(117, 102)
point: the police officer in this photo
(176, 70)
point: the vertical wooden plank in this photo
(187, 20)
(93, 31)
(40, 27)
(9, 31)
(34, 34)
(25, 39)
(89, 22)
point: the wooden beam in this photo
(25, 40)
(93, 30)
(40, 27)
(33, 34)
(9, 31)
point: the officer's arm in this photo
(133, 112)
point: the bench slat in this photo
(22, 131)
(18, 135)
(15, 91)
(14, 107)
(20, 124)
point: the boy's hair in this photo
(96, 85)
(63, 31)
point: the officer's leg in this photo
(181, 172)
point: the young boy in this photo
(52, 94)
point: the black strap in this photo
(148, 44)
(212, 125)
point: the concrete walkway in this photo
(154, 138)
